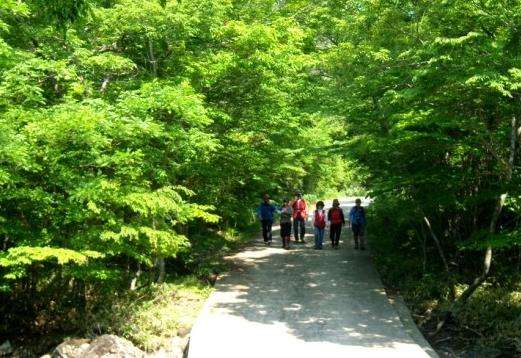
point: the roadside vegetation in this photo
(137, 136)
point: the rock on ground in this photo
(111, 346)
(5, 349)
(106, 346)
(71, 348)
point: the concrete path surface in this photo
(301, 303)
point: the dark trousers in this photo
(266, 230)
(358, 234)
(302, 224)
(285, 233)
(334, 233)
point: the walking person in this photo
(319, 222)
(300, 215)
(286, 213)
(336, 218)
(358, 221)
(265, 212)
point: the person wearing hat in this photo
(265, 212)
(300, 215)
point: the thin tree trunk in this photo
(133, 283)
(153, 60)
(4, 244)
(487, 260)
(443, 258)
(500, 202)
(105, 84)
(162, 270)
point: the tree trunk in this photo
(500, 202)
(443, 258)
(133, 283)
(162, 271)
(478, 281)
(105, 84)
(487, 260)
(153, 60)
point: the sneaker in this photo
(269, 243)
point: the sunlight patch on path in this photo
(301, 303)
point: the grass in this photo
(152, 316)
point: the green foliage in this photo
(428, 91)
(150, 318)
(140, 133)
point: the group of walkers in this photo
(295, 214)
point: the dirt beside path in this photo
(301, 303)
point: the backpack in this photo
(358, 216)
(320, 219)
(336, 216)
(299, 207)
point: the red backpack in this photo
(320, 219)
(336, 216)
(299, 209)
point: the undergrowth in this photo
(488, 325)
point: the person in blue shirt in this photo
(358, 221)
(265, 212)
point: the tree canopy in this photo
(131, 129)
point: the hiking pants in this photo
(266, 230)
(302, 224)
(285, 233)
(334, 233)
(358, 234)
(319, 237)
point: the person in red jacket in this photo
(300, 215)
(335, 215)
(319, 222)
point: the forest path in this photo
(301, 303)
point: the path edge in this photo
(410, 326)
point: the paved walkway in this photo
(301, 303)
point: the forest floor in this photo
(304, 303)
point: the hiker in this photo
(285, 223)
(300, 215)
(357, 219)
(265, 213)
(335, 216)
(319, 222)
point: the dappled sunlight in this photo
(328, 302)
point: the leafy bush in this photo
(152, 316)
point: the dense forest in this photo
(137, 136)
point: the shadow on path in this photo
(329, 302)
